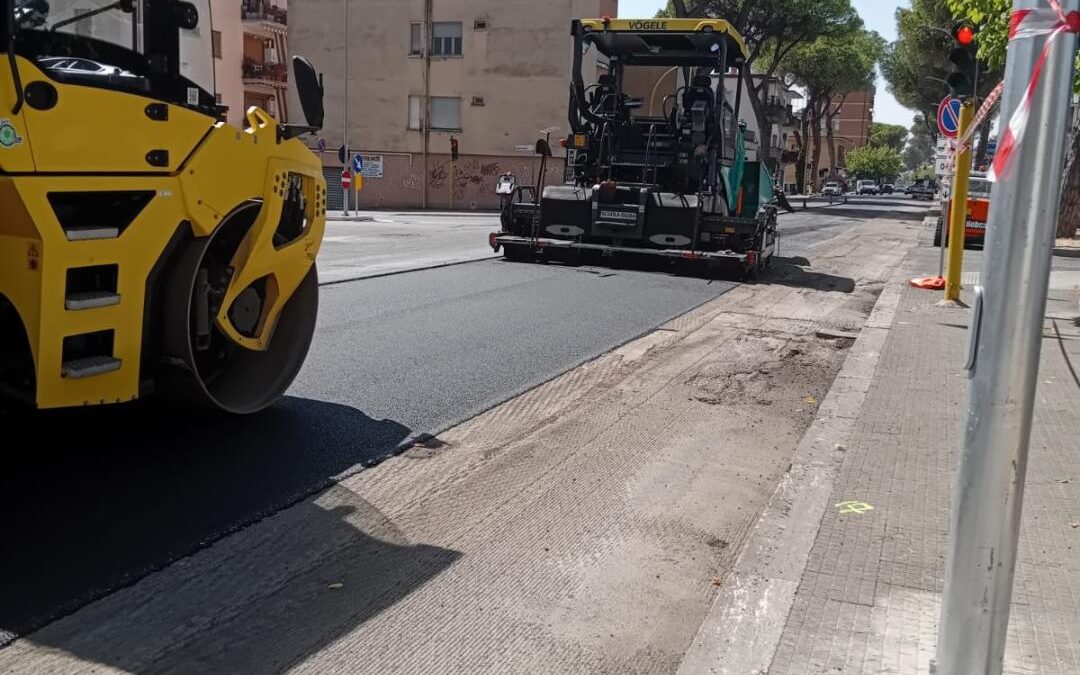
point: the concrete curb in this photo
(335, 216)
(742, 630)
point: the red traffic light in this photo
(964, 34)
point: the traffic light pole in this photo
(958, 207)
(1006, 339)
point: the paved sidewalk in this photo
(865, 596)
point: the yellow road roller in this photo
(146, 246)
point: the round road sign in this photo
(346, 179)
(948, 117)
(322, 145)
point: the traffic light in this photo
(453, 149)
(964, 57)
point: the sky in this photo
(879, 15)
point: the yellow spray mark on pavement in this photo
(854, 507)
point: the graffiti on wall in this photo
(475, 178)
(403, 182)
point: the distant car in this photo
(831, 190)
(70, 65)
(866, 187)
(923, 189)
(887, 189)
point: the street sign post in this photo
(948, 117)
(1005, 338)
(358, 163)
(958, 207)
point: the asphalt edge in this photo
(743, 627)
(423, 268)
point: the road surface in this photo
(98, 499)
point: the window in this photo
(416, 39)
(480, 24)
(446, 112)
(215, 39)
(414, 112)
(446, 39)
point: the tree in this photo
(888, 136)
(924, 172)
(874, 163)
(916, 65)
(920, 150)
(830, 68)
(772, 29)
(992, 16)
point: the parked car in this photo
(923, 189)
(831, 190)
(70, 65)
(866, 187)
(978, 213)
(887, 189)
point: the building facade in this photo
(265, 69)
(851, 126)
(492, 75)
(779, 102)
(228, 46)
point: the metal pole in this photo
(1006, 342)
(958, 207)
(345, 106)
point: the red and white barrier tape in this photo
(1028, 23)
(963, 143)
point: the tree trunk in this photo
(1069, 220)
(815, 160)
(830, 139)
(758, 106)
(800, 166)
(984, 138)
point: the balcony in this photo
(274, 75)
(263, 10)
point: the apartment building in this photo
(228, 46)
(851, 126)
(265, 69)
(779, 99)
(491, 74)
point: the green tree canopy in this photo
(992, 18)
(920, 149)
(874, 163)
(916, 65)
(772, 29)
(924, 172)
(888, 136)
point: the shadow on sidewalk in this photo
(791, 272)
(261, 606)
(96, 499)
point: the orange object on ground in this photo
(929, 283)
